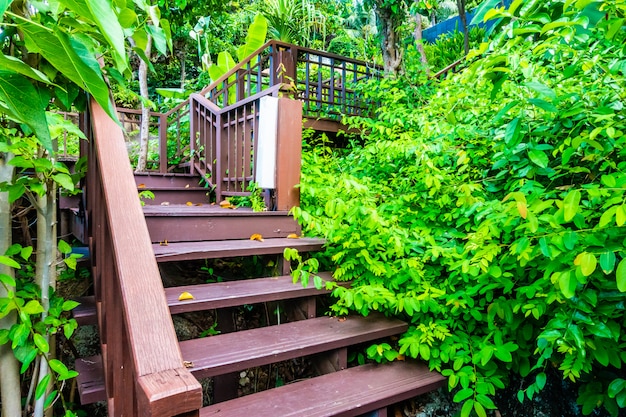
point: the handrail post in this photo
(288, 153)
(162, 143)
(286, 69)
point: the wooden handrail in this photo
(144, 369)
(450, 68)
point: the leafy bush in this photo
(448, 48)
(492, 217)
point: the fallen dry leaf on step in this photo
(185, 296)
(165, 203)
(198, 204)
(256, 237)
(293, 236)
(141, 185)
(187, 186)
(340, 319)
(400, 357)
(189, 203)
(188, 364)
(164, 243)
(226, 204)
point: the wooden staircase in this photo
(143, 368)
(325, 340)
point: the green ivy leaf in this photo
(568, 283)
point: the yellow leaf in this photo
(141, 185)
(188, 364)
(185, 296)
(164, 243)
(226, 204)
(522, 209)
(293, 236)
(257, 237)
(189, 203)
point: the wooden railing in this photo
(144, 369)
(225, 140)
(324, 82)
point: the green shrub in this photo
(491, 213)
(448, 48)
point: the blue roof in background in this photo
(454, 23)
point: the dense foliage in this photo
(489, 210)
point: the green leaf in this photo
(64, 180)
(542, 104)
(620, 275)
(481, 11)
(570, 205)
(568, 283)
(4, 5)
(538, 158)
(25, 105)
(105, 18)
(16, 65)
(587, 263)
(5, 260)
(607, 262)
(64, 247)
(41, 343)
(620, 215)
(26, 252)
(71, 57)
(466, 410)
(480, 410)
(255, 38)
(50, 399)
(7, 280)
(511, 134)
(33, 307)
(542, 89)
(42, 385)
(463, 394)
(540, 380)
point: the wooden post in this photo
(162, 143)
(288, 153)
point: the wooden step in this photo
(183, 251)
(230, 352)
(237, 293)
(90, 379)
(184, 223)
(85, 312)
(196, 196)
(220, 295)
(347, 393)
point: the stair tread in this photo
(240, 292)
(229, 248)
(346, 393)
(231, 352)
(220, 295)
(155, 210)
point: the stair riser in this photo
(177, 181)
(182, 196)
(190, 229)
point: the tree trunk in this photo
(392, 52)
(144, 135)
(45, 267)
(461, 6)
(10, 394)
(419, 43)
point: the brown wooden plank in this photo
(90, 379)
(228, 248)
(346, 393)
(220, 295)
(85, 313)
(238, 293)
(236, 351)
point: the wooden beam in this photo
(289, 153)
